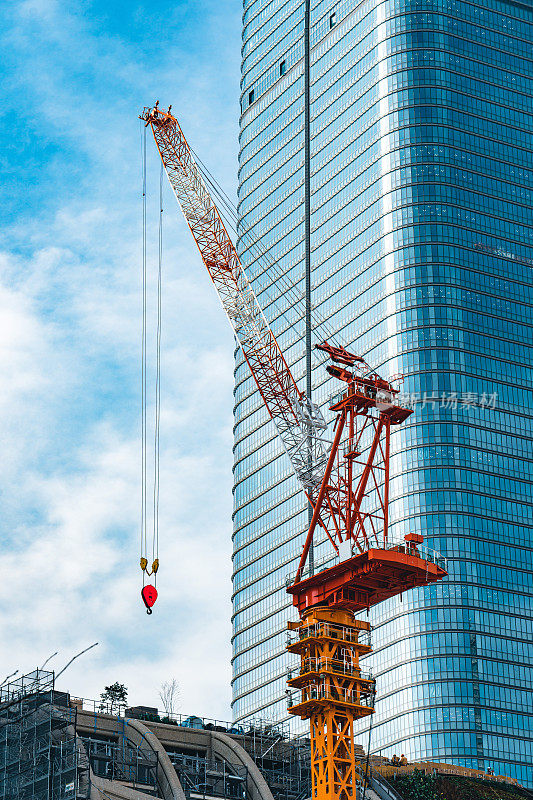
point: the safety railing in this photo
(392, 771)
(383, 789)
(254, 727)
(337, 397)
(397, 544)
(340, 667)
(330, 630)
(327, 692)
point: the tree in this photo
(113, 697)
(169, 694)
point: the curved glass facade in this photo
(421, 221)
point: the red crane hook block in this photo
(149, 596)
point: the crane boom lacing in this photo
(299, 421)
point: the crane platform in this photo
(369, 577)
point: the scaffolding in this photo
(39, 754)
(123, 761)
(204, 777)
(284, 762)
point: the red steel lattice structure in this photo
(352, 504)
(348, 489)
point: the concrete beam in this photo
(228, 749)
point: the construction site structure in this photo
(40, 757)
(56, 746)
(347, 485)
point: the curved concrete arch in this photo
(226, 748)
(168, 781)
(103, 789)
(156, 736)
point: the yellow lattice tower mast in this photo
(335, 693)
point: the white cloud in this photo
(69, 371)
(72, 576)
(22, 346)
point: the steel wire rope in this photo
(227, 218)
(155, 539)
(298, 298)
(144, 545)
(262, 254)
(255, 247)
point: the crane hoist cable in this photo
(155, 539)
(143, 354)
(229, 213)
(149, 590)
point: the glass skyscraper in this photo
(418, 115)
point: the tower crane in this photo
(346, 483)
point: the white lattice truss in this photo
(299, 422)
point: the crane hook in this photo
(149, 596)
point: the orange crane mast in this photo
(352, 506)
(347, 485)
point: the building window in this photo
(332, 19)
(251, 94)
(282, 68)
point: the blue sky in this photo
(75, 77)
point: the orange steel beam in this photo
(334, 694)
